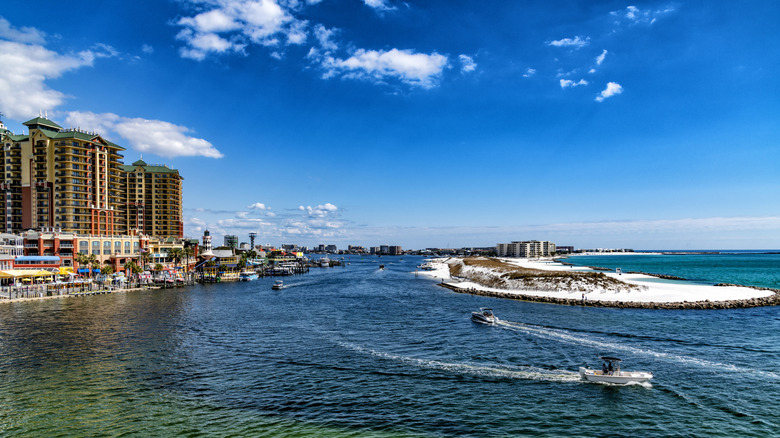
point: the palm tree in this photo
(145, 257)
(81, 259)
(175, 254)
(107, 270)
(188, 252)
(158, 268)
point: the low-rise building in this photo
(525, 249)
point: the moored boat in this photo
(484, 316)
(248, 276)
(611, 373)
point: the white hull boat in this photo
(613, 374)
(484, 316)
(278, 284)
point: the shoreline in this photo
(77, 294)
(655, 291)
(772, 300)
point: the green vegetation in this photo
(502, 275)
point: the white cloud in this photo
(634, 15)
(565, 83)
(418, 69)
(153, 136)
(529, 72)
(257, 206)
(600, 58)
(232, 24)
(575, 42)
(467, 64)
(379, 5)
(612, 89)
(320, 210)
(23, 75)
(27, 35)
(324, 36)
(146, 48)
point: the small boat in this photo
(324, 262)
(484, 316)
(611, 373)
(381, 267)
(248, 276)
(278, 284)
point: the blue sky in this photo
(426, 124)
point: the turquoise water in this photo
(356, 351)
(749, 269)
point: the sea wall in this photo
(772, 300)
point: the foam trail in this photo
(513, 372)
(582, 340)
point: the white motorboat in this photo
(611, 373)
(248, 276)
(484, 316)
(278, 284)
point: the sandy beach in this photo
(648, 289)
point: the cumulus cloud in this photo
(257, 206)
(153, 136)
(566, 83)
(26, 35)
(320, 210)
(529, 72)
(146, 48)
(23, 75)
(467, 64)
(600, 58)
(575, 42)
(232, 24)
(612, 89)
(417, 69)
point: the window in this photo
(117, 247)
(96, 247)
(127, 247)
(106, 248)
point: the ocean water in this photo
(355, 351)
(745, 268)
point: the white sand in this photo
(656, 290)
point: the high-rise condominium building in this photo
(74, 181)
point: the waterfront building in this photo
(153, 199)
(564, 249)
(395, 250)
(11, 246)
(526, 249)
(74, 180)
(64, 178)
(333, 249)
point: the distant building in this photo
(525, 249)
(331, 249)
(564, 249)
(395, 250)
(231, 241)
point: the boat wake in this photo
(565, 336)
(475, 369)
